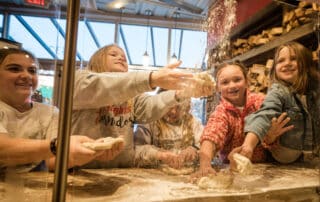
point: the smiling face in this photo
(286, 68)
(232, 84)
(18, 79)
(116, 60)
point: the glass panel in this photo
(63, 23)
(193, 48)
(122, 45)
(197, 108)
(161, 45)
(33, 127)
(1, 25)
(85, 44)
(48, 33)
(20, 34)
(104, 32)
(136, 42)
(46, 86)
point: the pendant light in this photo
(145, 57)
(174, 57)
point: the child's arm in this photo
(250, 142)
(246, 149)
(207, 152)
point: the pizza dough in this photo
(244, 165)
(206, 78)
(221, 180)
(103, 144)
(172, 171)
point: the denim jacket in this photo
(279, 99)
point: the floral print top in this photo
(225, 126)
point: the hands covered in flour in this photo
(187, 84)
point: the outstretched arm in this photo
(16, 151)
(207, 152)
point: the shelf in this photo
(270, 16)
(294, 34)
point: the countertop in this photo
(267, 183)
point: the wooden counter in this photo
(268, 183)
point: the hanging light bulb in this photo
(173, 58)
(145, 59)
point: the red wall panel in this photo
(247, 8)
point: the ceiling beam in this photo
(104, 16)
(183, 5)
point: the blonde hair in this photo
(98, 61)
(306, 69)
(186, 125)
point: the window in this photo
(45, 37)
(104, 32)
(48, 33)
(161, 45)
(189, 46)
(20, 33)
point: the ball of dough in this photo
(244, 165)
(221, 180)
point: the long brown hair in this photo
(306, 69)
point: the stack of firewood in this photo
(241, 46)
(258, 77)
(301, 15)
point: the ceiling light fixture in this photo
(174, 57)
(145, 57)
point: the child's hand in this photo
(189, 154)
(204, 170)
(247, 151)
(244, 150)
(170, 158)
(233, 164)
(168, 78)
(278, 128)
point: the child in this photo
(108, 99)
(172, 140)
(224, 130)
(28, 129)
(294, 91)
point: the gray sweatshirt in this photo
(108, 104)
